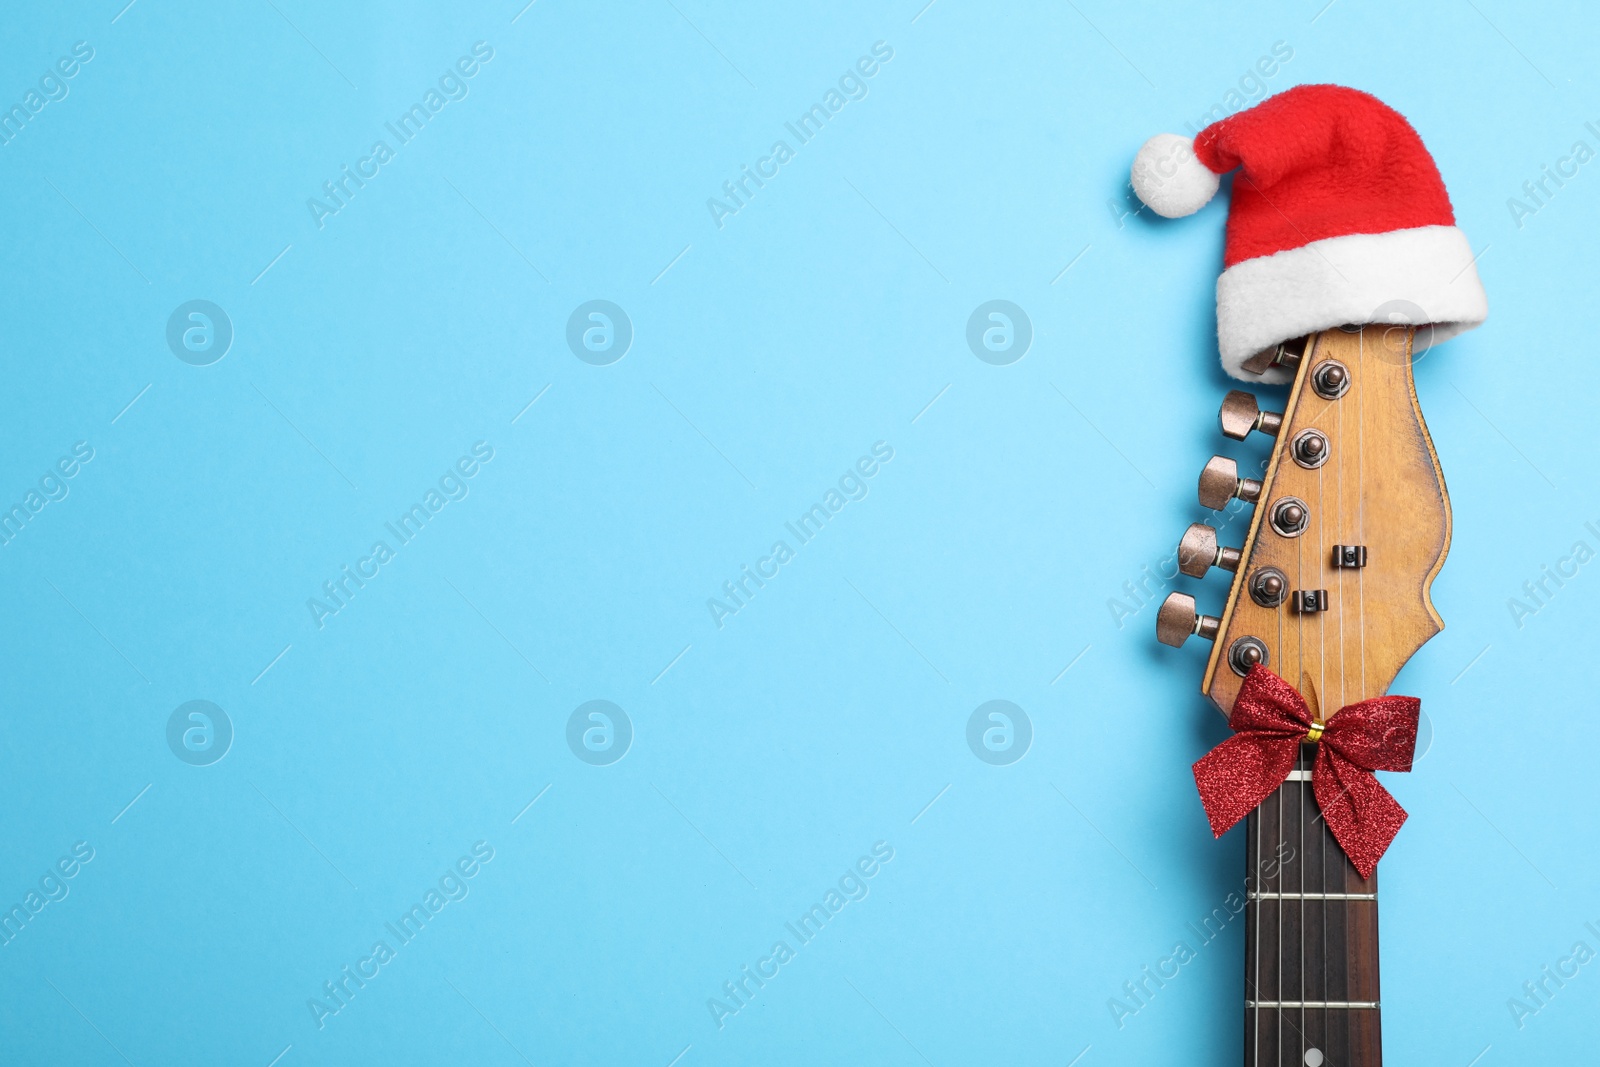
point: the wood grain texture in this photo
(1307, 949)
(1380, 487)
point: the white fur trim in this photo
(1170, 179)
(1416, 276)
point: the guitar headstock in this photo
(1351, 524)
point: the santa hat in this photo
(1339, 216)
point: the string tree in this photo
(1349, 557)
(1308, 601)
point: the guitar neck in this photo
(1330, 592)
(1311, 939)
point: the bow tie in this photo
(1270, 720)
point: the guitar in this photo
(1330, 591)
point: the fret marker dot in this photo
(1314, 1057)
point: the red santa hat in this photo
(1339, 216)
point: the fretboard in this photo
(1311, 939)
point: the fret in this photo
(1318, 1004)
(1311, 931)
(1311, 979)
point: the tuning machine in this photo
(1241, 413)
(1286, 354)
(1330, 379)
(1177, 620)
(1220, 483)
(1198, 552)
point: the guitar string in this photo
(1333, 875)
(1299, 757)
(1300, 657)
(1361, 502)
(1300, 584)
(1322, 656)
(1361, 572)
(1256, 1028)
(1307, 790)
(1322, 880)
(1282, 644)
(1299, 617)
(1325, 695)
(1360, 538)
(1341, 532)
(1260, 904)
(1255, 973)
(1343, 699)
(1300, 798)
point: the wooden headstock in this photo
(1351, 524)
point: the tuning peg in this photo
(1286, 354)
(1220, 483)
(1177, 619)
(1198, 552)
(1240, 414)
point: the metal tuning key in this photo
(1220, 483)
(1330, 379)
(1177, 620)
(1269, 587)
(1286, 355)
(1198, 552)
(1245, 653)
(1310, 448)
(1241, 413)
(1290, 516)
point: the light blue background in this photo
(768, 355)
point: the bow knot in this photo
(1270, 720)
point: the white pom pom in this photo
(1170, 179)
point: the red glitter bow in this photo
(1270, 720)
